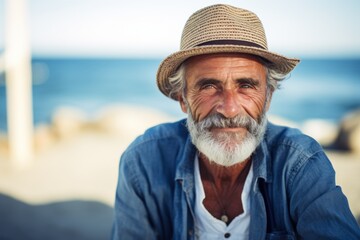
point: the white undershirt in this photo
(208, 227)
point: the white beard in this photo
(226, 148)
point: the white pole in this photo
(18, 82)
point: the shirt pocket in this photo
(280, 236)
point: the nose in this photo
(229, 104)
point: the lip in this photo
(237, 129)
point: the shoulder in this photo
(291, 139)
(161, 134)
(159, 146)
(294, 152)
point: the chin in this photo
(227, 153)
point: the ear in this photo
(183, 104)
(268, 101)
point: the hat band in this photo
(231, 42)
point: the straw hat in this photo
(221, 29)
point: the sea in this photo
(325, 89)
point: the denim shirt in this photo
(155, 194)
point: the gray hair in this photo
(178, 83)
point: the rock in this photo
(128, 120)
(322, 131)
(282, 121)
(68, 121)
(43, 137)
(349, 134)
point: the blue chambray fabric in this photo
(155, 195)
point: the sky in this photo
(134, 28)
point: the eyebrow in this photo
(251, 81)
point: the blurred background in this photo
(77, 85)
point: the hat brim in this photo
(170, 64)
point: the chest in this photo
(225, 203)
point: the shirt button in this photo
(227, 235)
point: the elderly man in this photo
(226, 172)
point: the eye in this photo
(207, 86)
(247, 83)
(245, 86)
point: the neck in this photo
(218, 173)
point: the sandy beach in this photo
(67, 192)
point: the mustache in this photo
(219, 121)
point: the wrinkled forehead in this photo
(202, 61)
(250, 57)
(230, 62)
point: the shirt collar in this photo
(185, 169)
(262, 162)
